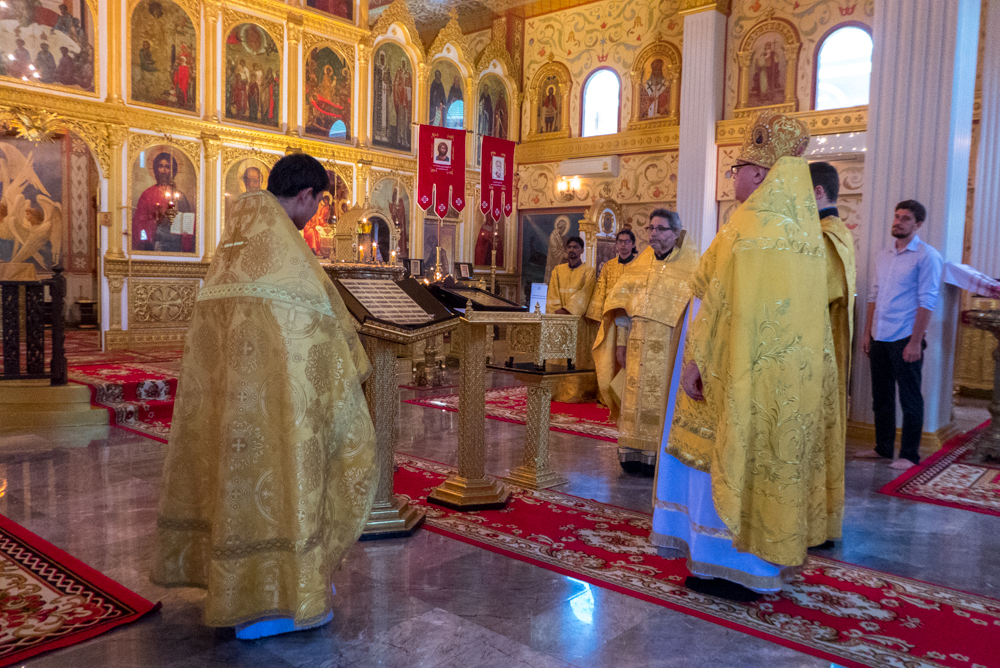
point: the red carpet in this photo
(947, 479)
(139, 396)
(851, 615)
(510, 404)
(49, 599)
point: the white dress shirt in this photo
(904, 281)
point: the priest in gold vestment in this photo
(270, 471)
(742, 484)
(571, 286)
(639, 323)
(606, 281)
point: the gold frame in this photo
(95, 45)
(231, 20)
(311, 42)
(405, 182)
(560, 72)
(792, 46)
(670, 53)
(137, 143)
(187, 6)
(593, 217)
(230, 156)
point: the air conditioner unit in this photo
(602, 167)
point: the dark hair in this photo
(629, 233)
(578, 240)
(918, 210)
(296, 172)
(673, 220)
(824, 174)
(163, 155)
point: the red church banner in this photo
(497, 178)
(441, 169)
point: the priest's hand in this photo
(691, 381)
(562, 311)
(620, 355)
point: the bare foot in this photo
(902, 464)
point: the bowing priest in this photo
(571, 286)
(270, 470)
(742, 483)
(639, 332)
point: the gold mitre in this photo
(773, 136)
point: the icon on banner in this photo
(442, 151)
(499, 168)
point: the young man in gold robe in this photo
(742, 484)
(571, 286)
(270, 471)
(639, 332)
(606, 281)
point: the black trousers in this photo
(888, 371)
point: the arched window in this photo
(455, 116)
(600, 104)
(844, 69)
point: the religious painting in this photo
(253, 76)
(654, 92)
(247, 175)
(447, 242)
(604, 250)
(493, 113)
(49, 42)
(550, 106)
(164, 56)
(328, 91)
(320, 230)
(164, 198)
(543, 243)
(392, 98)
(491, 235)
(767, 65)
(446, 99)
(390, 196)
(381, 239)
(31, 202)
(340, 8)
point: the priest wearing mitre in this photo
(742, 482)
(639, 333)
(270, 471)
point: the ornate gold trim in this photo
(696, 6)
(642, 140)
(791, 49)
(145, 295)
(452, 34)
(832, 121)
(591, 224)
(193, 10)
(397, 12)
(672, 55)
(560, 72)
(154, 269)
(232, 18)
(496, 50)
(149, 338)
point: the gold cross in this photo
(235, 241)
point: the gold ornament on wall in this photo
(656, 86)
(548, 96)
(35, 125)
(768, 61)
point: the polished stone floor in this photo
(433, 601)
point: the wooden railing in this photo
(33, 307)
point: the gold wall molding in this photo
(161, 303)
(397, 12)
(671, 55)
(561, 73)
(832, 121)
(496, 51)
(452, 34)
(153, 338)
(120, 269)
(311, 40)
(791, 48)
(643, 140)
(696, 6)
(232, 18)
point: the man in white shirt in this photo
(900, 303)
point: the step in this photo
(41, 392)
(24, 420)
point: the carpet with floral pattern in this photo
(848, 614)
(49, 599)
(510, 404)
(948, 478)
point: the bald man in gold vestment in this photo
(270, 471)
(744, 485)
(641, 315)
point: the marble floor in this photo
(428, 600)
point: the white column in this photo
(986, 226)
(919, 135)
(702, 73)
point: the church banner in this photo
(441, 169)
(496, 191)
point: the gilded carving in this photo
(160, 303)
(172, 63)
(115, 285)
(118, 269)
(549, 102)
(451, 34)
(833, 121)
(768, 63)
(397, 12)
(232, 18)
(656, 85)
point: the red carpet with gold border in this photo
(510, 404)
(947, 478)
(848, 614)
(49, 599)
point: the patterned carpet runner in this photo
(50, 600)
(510, 404)
(848, 614)
(947, 478)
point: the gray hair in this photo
(673, 220)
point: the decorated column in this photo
(115, 67)
(213, 146)
(920, 46)
(985, 254)
(212, 8)
(117, 136)
(294, 57)
(703, 68)
(361, 127)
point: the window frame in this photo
(819, 47)
(583, 100)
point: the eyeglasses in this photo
(731, 172)
(623, 240)
(658, 228)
